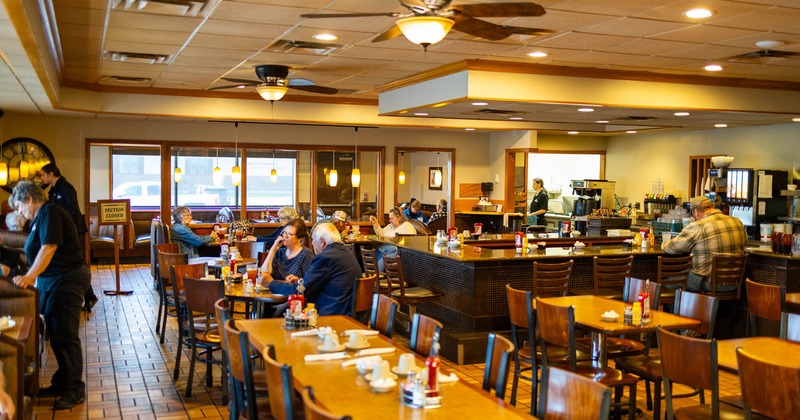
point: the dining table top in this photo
(787, 353)
(343, 391)
(217, 263)
(238, 291)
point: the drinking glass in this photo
(252, 271)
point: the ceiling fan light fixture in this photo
(713, 67)
(271, 93)
(698, 13)
(537, 54)
(425, 30)
(769, 44)
(325, 37)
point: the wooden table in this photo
(21, 330)
(215, 264)
(769, 348)
(344, 391)
(253, 300)
(588, 309)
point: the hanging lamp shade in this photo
(271, 93)
(334, 177)
(425, 30)
(273, 176)
(401, 178)
(216, 176)
(236, 176)
(3, 173)
(178, 174)
(355, 177)
(24, 169)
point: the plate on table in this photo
(609, 318)
(8, 325)
(349, 347)
(322, 349)
(368, 376)
(399, 373)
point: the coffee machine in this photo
(593, 194)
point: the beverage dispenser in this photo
(593, 194)
(754, 196)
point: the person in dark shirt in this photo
(539, 202)
(62, 276)
(285, 215)
(64, 194)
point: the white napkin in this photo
(306, 333)
(443, 379)
(353, 362)
(325, 356)
(372, 352)
(367, 333)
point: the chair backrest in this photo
(424, 332)
(697, 306)
(790, 327)
(383, 310)
(200, 298)
(12, 361)
(369, 258)
(768, 387)
(165, 262)
(498, 359)
(438, 224)
(634, 286)
(568, 396)
(420, 227)
(765, 301)
(281, 386)
(262, 256)
(171, 247)
(237, 347)
(158, 235)
(557, 327)
(551, 279)
(393, 267)
(223, 314)
(674, 270)
(24, 301)
(192, 270)
(249, 249)
(610, 272)
(520, 313)
(313, 411)
(727, 271)
(363, 289)
(691, 362)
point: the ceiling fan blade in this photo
(388, 34)
(300, 82)
(500, 9)
(347, 15)
(239, 86)
(245, 81)
(518, 30)
(480, 28)
(316, 89)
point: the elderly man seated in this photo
(329, 281)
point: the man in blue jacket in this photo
(329, 282)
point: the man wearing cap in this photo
(339, 219)
(711, 232)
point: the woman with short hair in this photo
(288, 255)
(285, 215)
(180, 233)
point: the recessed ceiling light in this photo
(469, 129)
(698, 13)
(602, 121)
(480, 103)
(585, 109)
(515, 118)
(326, 37)
(681, 114)
(796, 119)
(631, 131)
(713, 67)
(573, 132)
(537, 54)
(721, 125)
(421, 114)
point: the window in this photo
(135, 175)
(201, 184)
(261, 190)
(557, 170)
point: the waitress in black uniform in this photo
(539, 203)
(61, 274)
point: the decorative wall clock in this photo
(24, 157)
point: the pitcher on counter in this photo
(538, 204)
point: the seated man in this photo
(339, 219)
(712, 232)
(329, 281)
(441, 211)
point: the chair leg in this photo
(632, 406)
(657, 398)
(209, 368)
(158, 317)
(192, 360)
(617, 399)
(164, 323)
(224, 374)
(177, 371)
(647, 396)
(534, 390)
(514, 383)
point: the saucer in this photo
(399, 373)
(386, 386)
(349, 347)
(322, 349)
(368, 376)
(609, 319)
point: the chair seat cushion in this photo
(415, 293)
(142, 242)
(607, 376)
(384, 284)
(647, 367)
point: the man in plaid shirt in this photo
(712, 232)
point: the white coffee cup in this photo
(380, 370)
(406, 363)
(357, 339)
(331, 342)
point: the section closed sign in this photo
(114, 212)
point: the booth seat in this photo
(133, 238)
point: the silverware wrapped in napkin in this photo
(372, 352)
(306, 333)
(325, 357)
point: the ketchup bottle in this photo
(432, 367)
(644, 301)
(297, 300)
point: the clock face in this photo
(24, 158)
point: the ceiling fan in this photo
(766, 52)
(274, 83)
(428, 21)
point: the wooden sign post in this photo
(114, 213)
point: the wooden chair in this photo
(244, 383)
(200, 298)
(363, 289)
(315, 412)
(383, 311)
(557, 327)
(369, 259)
(793, 302)
(409, 296)
(24, 301)
(692, 362)
(609, 277)
(790, 327)
(520, 313)
(172, 248)
(222, 314)
(648, 365)
(766, 303)
(158, 236)
(281, 387)
(768, 387)
(623, 346)
(420, 227)
(727, 271)
(249, 249)
(498, 356)
(177, 274)
(12, 361)
(551, 279)
(438, 224)
(425, 332)
(672, 274)
(569, 396)
(166, 295)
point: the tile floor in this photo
(129, 373)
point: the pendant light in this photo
(401, 178)
(216, 176)
(437, 175)
(273, 174)
(3, 166)
(236, 172)
(355, 176)
(334, 175)
(178, 172)
(24, 167)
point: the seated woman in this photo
(398, 224)
(181, 234)
(285, 215)
(288, 256)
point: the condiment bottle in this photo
(297, 300)
(651, 237)
(644, 302)
(311, 312)
(628, 316)
(519, 241)
(637, 314)
(432, 368)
